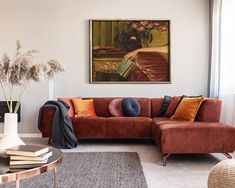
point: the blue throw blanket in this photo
(62, 135)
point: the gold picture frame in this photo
(130, 51)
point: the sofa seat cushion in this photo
(158, 124)
(89, 127)
(194, 137)
(158, 119)
(129, 127)
(165, 121)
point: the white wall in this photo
(59, 28)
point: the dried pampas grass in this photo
(55, 67)
(20, 70)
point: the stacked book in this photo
(28, 156)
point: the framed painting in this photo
(130, 51)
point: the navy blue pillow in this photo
(130, 107)
(165, 104)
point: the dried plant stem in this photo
(9, 89)
(19, 70)
(4, 92)
(11, 98)
(22, 93)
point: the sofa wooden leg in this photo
(165, 156)
(228, 155)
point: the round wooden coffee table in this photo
(6, 176)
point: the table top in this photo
(7, 176)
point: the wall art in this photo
(130, 51)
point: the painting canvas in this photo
(129, 51)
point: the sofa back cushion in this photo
(145, 105)
(173, 106)
(210, 110)
(156, 106)
(102, 106)
(70, 103)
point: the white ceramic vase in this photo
(10, 134)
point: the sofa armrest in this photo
(47, 116)
(197, 137)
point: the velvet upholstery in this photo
(84, 108)
(172, 106)
(156, 106)
(158, 119)
(128, 127)
(205, 135)
(131, 107)
(210, 110)
(47, 119)
(89, 127)
(102, 106)
(70, 103)
(187, 109)
(165, 104)
(113, 127)
(115, 108)
(145, 107)
(194, 137)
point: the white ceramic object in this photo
(10, 134)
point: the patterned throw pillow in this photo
(115, 108)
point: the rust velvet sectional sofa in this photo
(205, 135)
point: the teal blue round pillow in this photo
(130, 107)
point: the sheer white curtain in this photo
(227, 66)
(222, 83)
(215, 13)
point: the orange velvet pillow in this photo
(187, 109)
(70, 103)
(84, 108)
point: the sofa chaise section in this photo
(205, 135)
(193, 137)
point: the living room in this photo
(133, 59)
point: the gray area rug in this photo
(92, 170)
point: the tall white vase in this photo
(10, 134)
